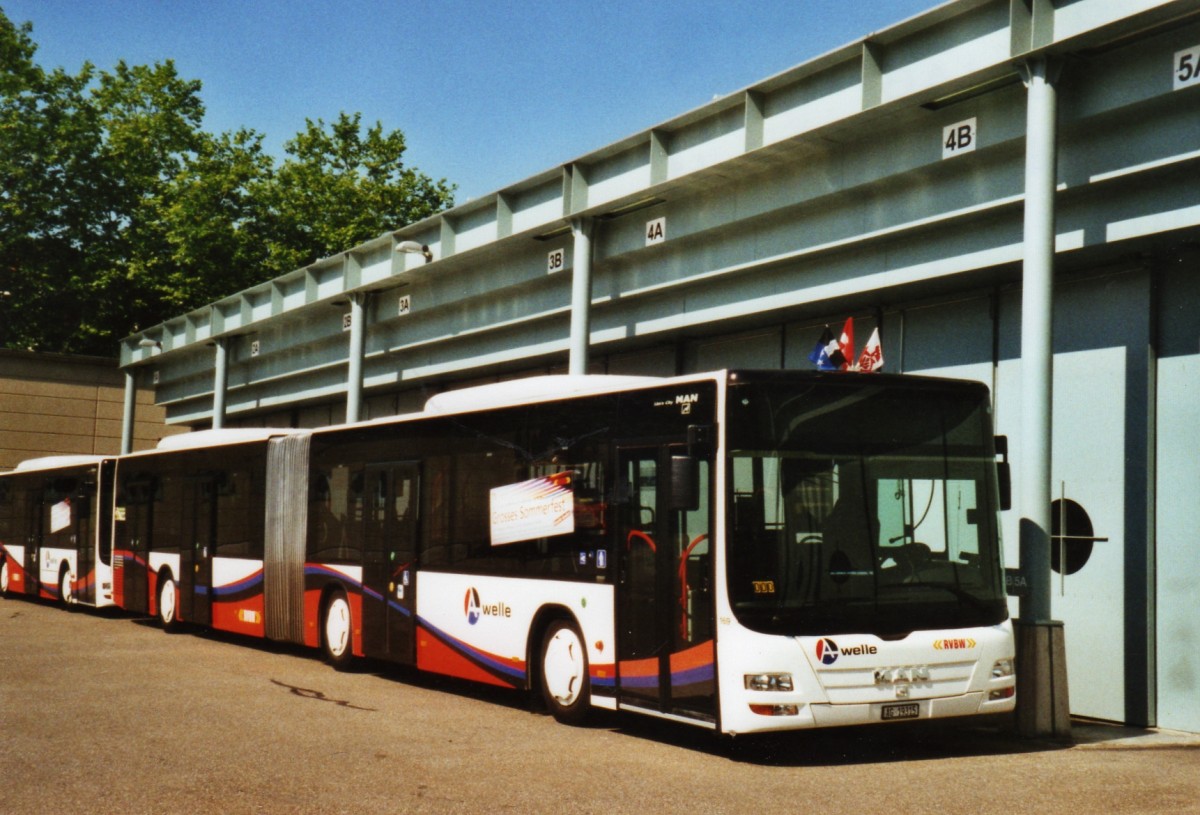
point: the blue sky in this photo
(486, 93)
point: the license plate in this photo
(893, 712)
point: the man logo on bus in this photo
(827, 651)
(472, 606)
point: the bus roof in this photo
(231, 435)
(531, 389)
(54, 462)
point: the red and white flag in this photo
(846, 343)
(872, 354)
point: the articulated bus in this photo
(743, 551)
(54, 530)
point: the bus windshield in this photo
(862, 505)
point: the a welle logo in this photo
(474, 609)
(828, 651)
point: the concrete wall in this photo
(53, 404)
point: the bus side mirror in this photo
(685, 483)
(701, 440)
(1004, 473)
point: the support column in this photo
(220, 382)
(127, 418)
(581, 294)
(354, 367)
(1042, 701)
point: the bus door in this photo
(104, 526)
(84, 504)
(132, 524)
(389, 560)
(33, 539)
(63, 520)
(665, 607)
(197, 547)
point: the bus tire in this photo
(64, 588)
(563, 672)
(168, 605)
(337, 640)
(3, 576)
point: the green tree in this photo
(83, 158)
(149, 125)
(47, 148)
(207, 224)
(117, 210)
(340, 186)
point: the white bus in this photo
(743, 551)
(55, 526)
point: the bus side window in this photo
(82, 500)
(58, 495)
(350, 542)
(693, 573)
(240, 506)
(561, 554)
(166, 517)
(477, 474)
(334, 513)
(435, 537)
(6, 513)
(321, 520)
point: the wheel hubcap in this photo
(168, 602)
(337, 627)
(564, 667)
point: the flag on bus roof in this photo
(872, 354)
(835, 354)
(827, 355)
(846, 344)
(815, 356)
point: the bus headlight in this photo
(1002, 668)
(775, 710)
(781, 682)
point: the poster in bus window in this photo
(60, 515)
(538, 508)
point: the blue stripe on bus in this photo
(244, 585)
(311, 570)
(487, 661)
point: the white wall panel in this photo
(1178, 553)
(1178, 512)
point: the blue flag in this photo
(827, 354)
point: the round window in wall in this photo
(1071, 536)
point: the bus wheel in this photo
(335, 632)
(3, 575)
(64, 588)
(564, 673)
(168, 605)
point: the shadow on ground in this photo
(847, 746)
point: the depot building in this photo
(887, 182)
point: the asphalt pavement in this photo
(101, 713)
